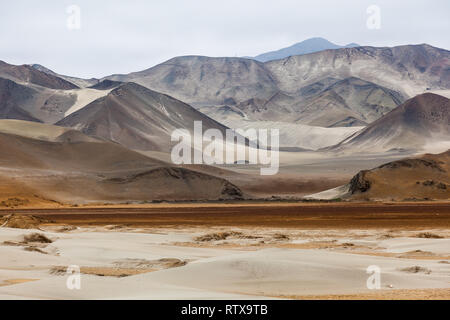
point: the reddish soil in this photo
(276, 215)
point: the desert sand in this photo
(246, 254)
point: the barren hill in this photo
(415, 125)
(82, 83)
(65, 165)
(327, 103)
(137, 118)
(28, 74)
(425, 177)
(203, 81)
(12, 98)
(409, 69)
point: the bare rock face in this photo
(22, 221)
(413, 163)
(359, 183)
(434, 184)
(230, 191)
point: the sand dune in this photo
(85, 97)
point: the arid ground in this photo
(407, 215)
(253, 250)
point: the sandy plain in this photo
(228, 251)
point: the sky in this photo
(98, 38)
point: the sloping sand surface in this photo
(299, 135)
(398, 245)
(248, 271)
(84, 97)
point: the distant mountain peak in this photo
(307, 46)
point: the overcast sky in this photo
(119, 36)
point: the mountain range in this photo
(348, 87)
(113, 135)
(280, 90)
(326, 103)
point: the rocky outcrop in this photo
(360, 183)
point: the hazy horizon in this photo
(125, 37)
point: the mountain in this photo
(350, 102)
(34, 103)
(409, 70)
(307, 46)
(398, 73)
(206, 81)
(82, 83)
(62, 164)
(27, 74)
(330, 88)
(138, 118)
(420, 123)
(12, 97)
(28, 93)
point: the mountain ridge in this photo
(204, 81)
